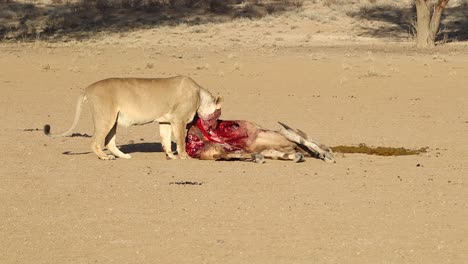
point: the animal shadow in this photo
(132, 148)
(144, 147)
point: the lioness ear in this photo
(219, 102)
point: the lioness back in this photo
(144, 100)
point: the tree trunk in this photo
(427, 25)
(423, 13)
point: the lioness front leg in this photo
(180, 132)
(165, 131)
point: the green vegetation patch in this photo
(381, 151)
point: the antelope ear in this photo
(219, 102)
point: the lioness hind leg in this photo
(110, 144)
(97, 149)
(103, 123)
(165, 131)
(276, 154)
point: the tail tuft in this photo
(47, 130)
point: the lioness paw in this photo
(126, 156)
(170, 156)
(108, 157)
(183, 156)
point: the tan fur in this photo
(173, 102)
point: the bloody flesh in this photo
(231, 135)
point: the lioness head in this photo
(211, 121)
(209, 105)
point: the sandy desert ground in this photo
(60, 204)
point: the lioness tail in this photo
(81, 99)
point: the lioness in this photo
(172, 102)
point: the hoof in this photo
(258, 158)
(327, 154)
(298, 157)
(329, 158)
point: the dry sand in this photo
(60, 204)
